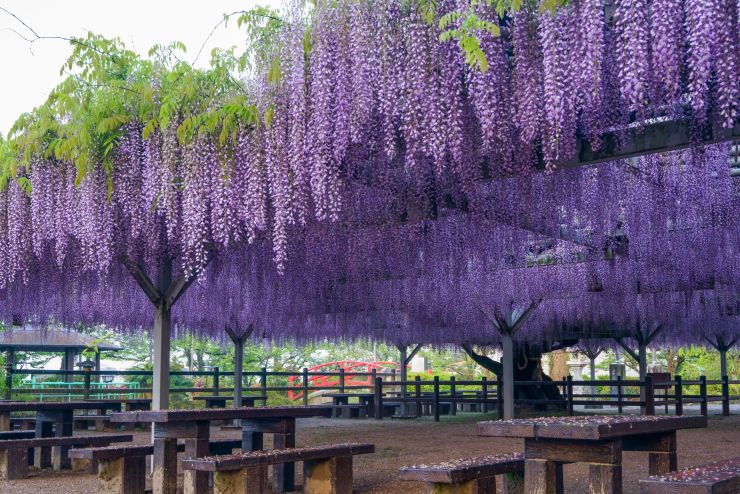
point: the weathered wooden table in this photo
(365, 399)
(598, 440)
(53, 418)
(220, 401)
(193, 426)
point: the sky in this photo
(29, 72)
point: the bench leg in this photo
(246, 481)
(540, 477)
(60, 454)
(123, 475)
(486, 485)
(605, 479)
(662, 463)
(4, 421)
(164, 480)
(195, 481)
(42, 456)
(85, 466)
(330, 476)
(512, 483)
(283, 475)
(14, 463)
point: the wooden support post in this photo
(305, 386)
(649, 405)
(9, 362)
(378, 391)
(513, 483)
(194, 481)
(283, 477)
(404, 375)
(123, 475)
(417, 392)
(642, 367)
(436, 399)
(263, 383)
(605, 479)
(484, 393)
(619, 394)
(86, 382)
(569, 391)
(341, 380)
(329, 476)
(165, 465)
(725, 396)
(161, 359)
(703, 395)
(499, 398)
(453, 396)
(723, 360)
(679, 395)
(14, 464)
(508, 365)
(216, 380)
(540, 477)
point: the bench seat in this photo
(123, 468)
(326, 469)
(14, 452)
(720, 477)
(470, 475)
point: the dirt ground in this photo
(407, 442)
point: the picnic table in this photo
(53, 418)
(597, 440)
(367, 400)
(193, 426)
(217, 401)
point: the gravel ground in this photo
(405, 442)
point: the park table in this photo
(597, 440)
(218, 401)
(365, 399)
(193, 426)
(52, 418)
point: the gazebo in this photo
(40, 339)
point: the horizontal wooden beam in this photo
(658, 137)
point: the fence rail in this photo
(647, 394)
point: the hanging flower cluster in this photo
(369, 126)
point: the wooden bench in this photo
(102, 422)
(720, 477)
(326, 469)
(14, 452)
(350, 410)
(123, 468)
(471, 475)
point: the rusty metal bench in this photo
(123, 468)
(326, 469)
(14, 452)
(470, 475)
(720, 477)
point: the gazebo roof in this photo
(49, 340)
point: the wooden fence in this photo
(433, 394)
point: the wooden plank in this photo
(595, 428)
(40, 406)
(65, 441)
(272, 457)
(463, 470)
(220, 414)
(574, 451)
(721, 477)
(164, 478)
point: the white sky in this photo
(28, 75)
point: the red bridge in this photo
(331, 378)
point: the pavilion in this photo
(39, 339)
